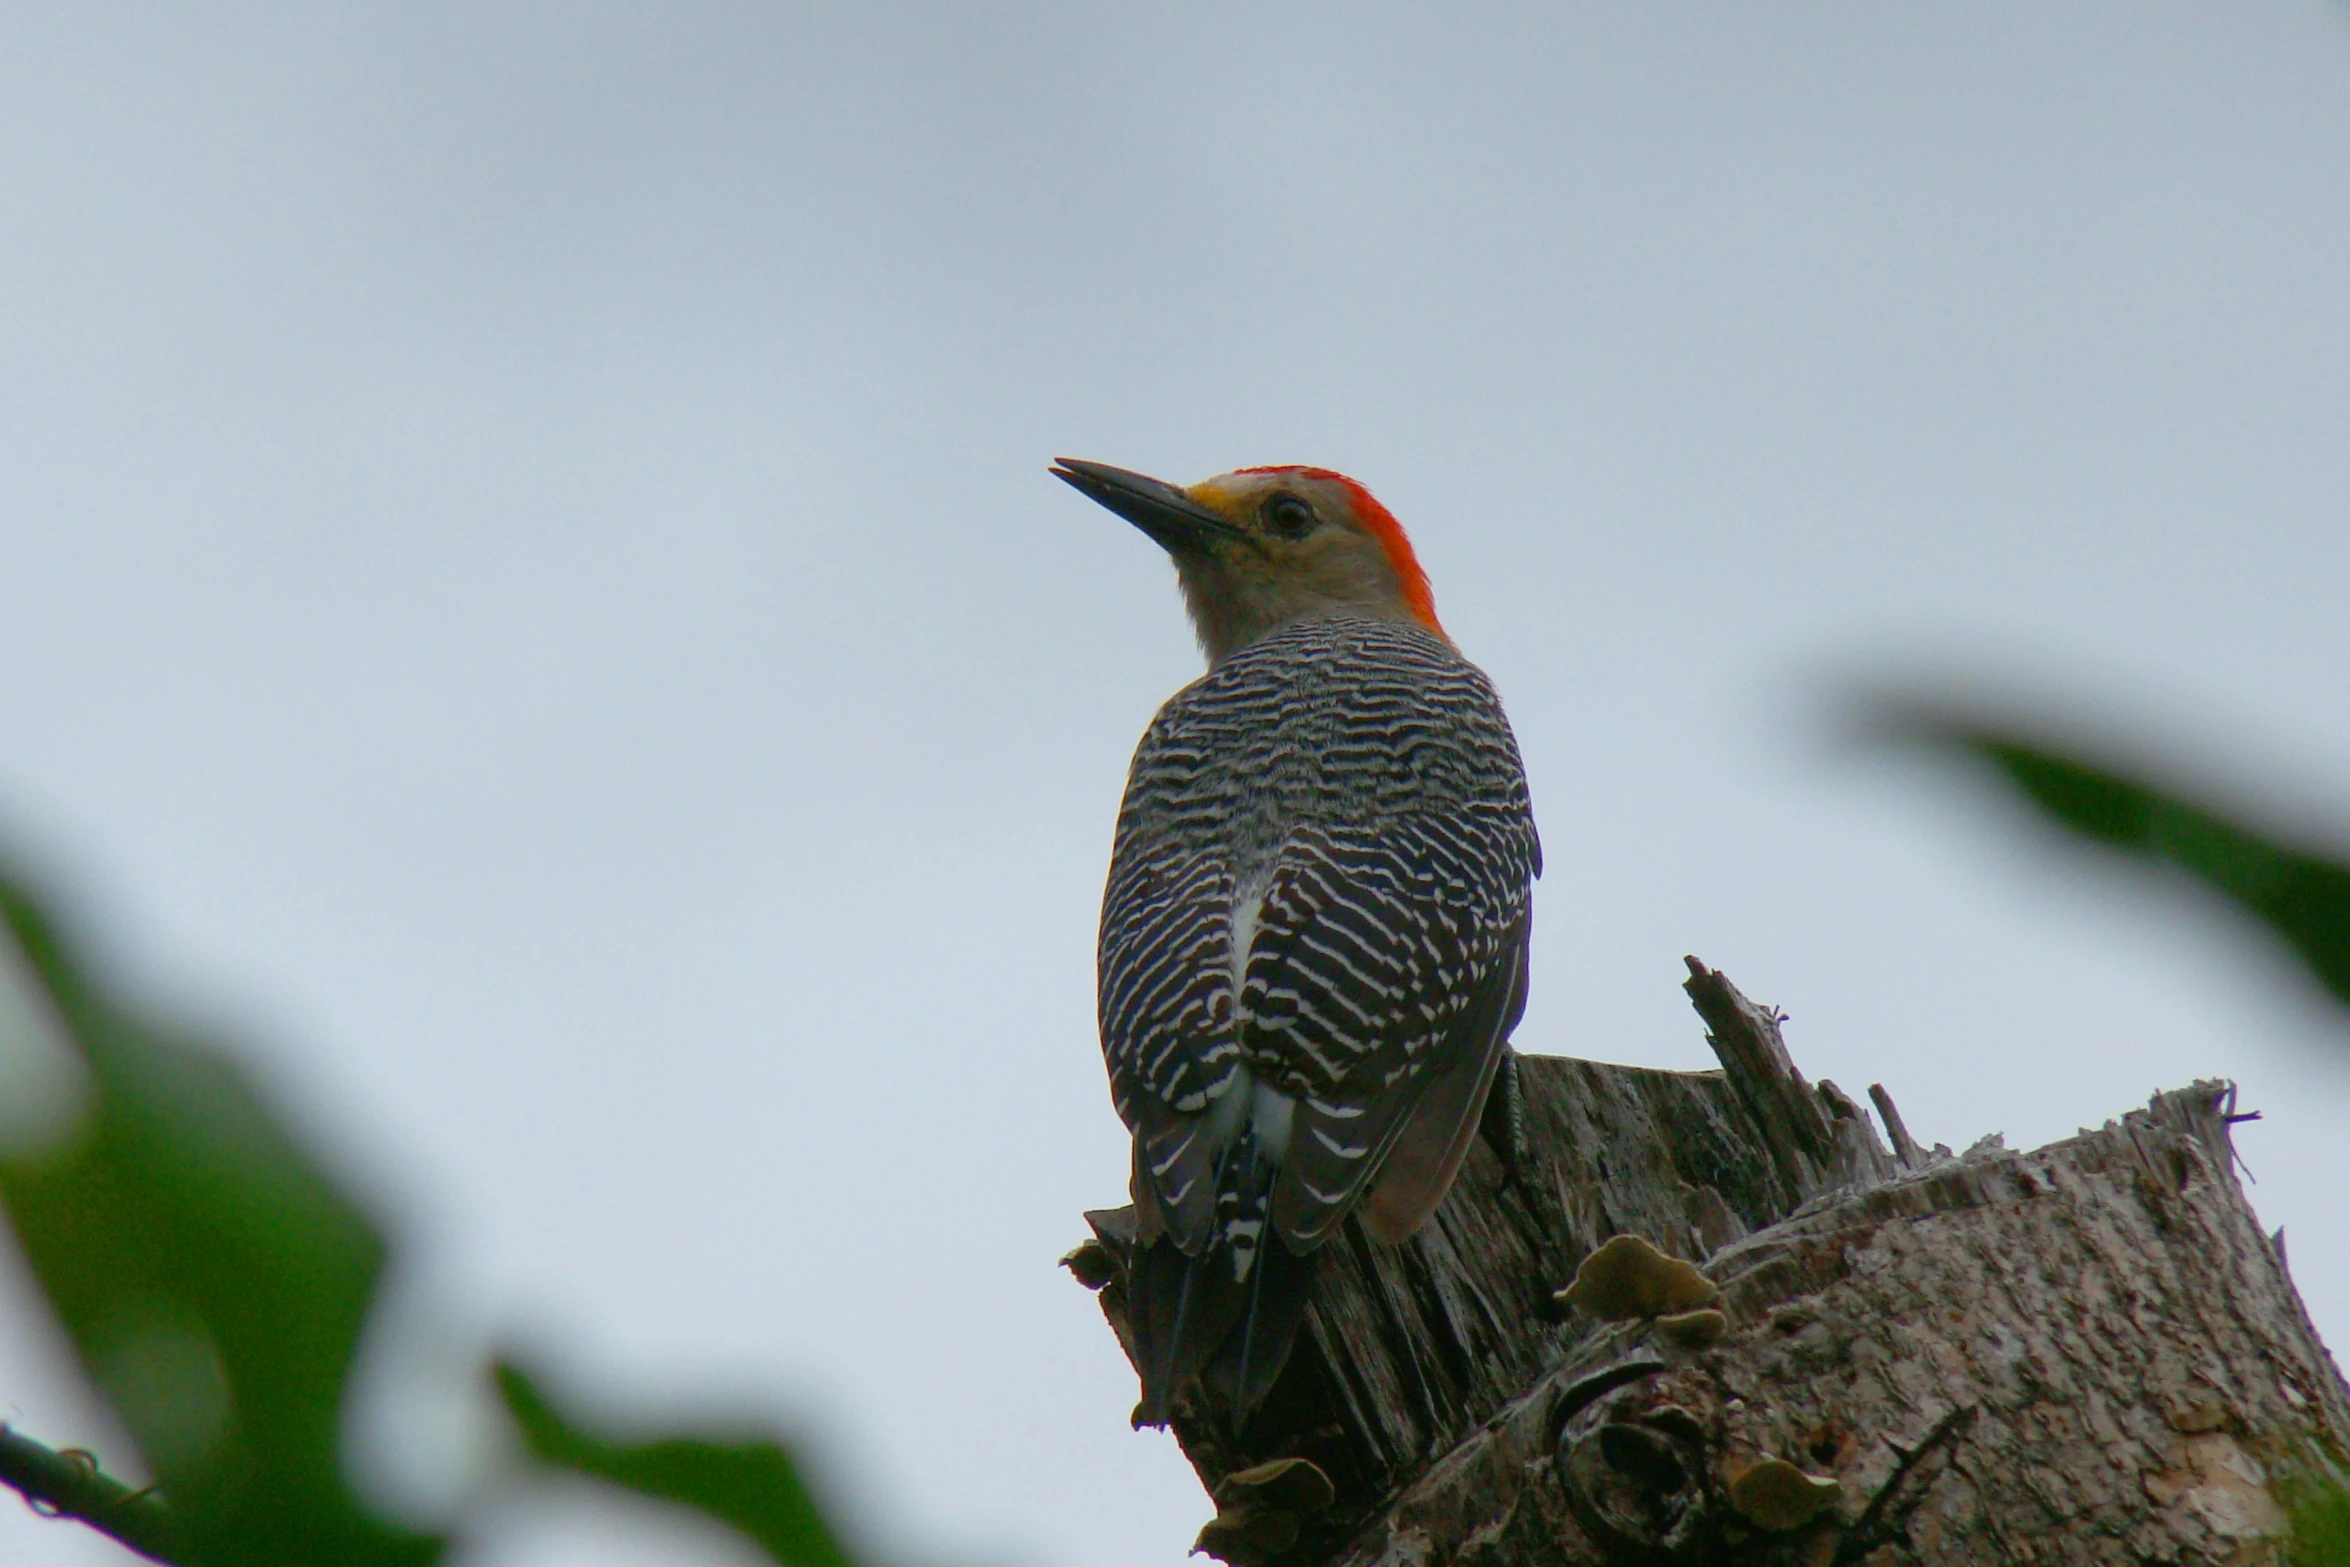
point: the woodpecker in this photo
(1313, 941)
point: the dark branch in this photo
(1878, 1520)
(69, 1484)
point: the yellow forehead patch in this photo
(1227, 494)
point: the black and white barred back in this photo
(1316, 919)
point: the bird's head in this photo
(1262, 548)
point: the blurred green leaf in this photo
(2321, 1527)
(2303, 897)
(751, 1485)
(214, 1281)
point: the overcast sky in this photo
(532, 597)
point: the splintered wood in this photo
(2088, 1353)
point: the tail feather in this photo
(1253, 1355)
(1226, 1314)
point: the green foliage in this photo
(752, 1485)
(215, 1281)
(2303, 898)
(2321, 1528)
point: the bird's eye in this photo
(1289, 516)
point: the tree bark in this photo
(2089, 1353)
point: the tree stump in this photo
(2088, 1353)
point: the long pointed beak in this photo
(1169, 516)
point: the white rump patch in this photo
(1269, 1119)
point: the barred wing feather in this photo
(1380, 965)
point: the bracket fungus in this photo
(1774, 1494)
(1629, 1278)
(1258, 1510)
(1246, 1537)
(1290, 1485)
(1693, 1329)
(1091, 1264)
